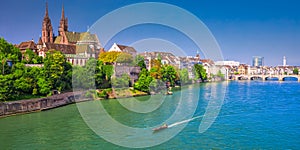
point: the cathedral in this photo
(78, 47)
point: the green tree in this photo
(77, 78)
(8, 52)
(296, 71)
(23, 81)
(169, 74)
(57, 71)
(120, 82)
(184, 76)
(7, 90)
(200, 72)
(140, 61)
(108, 71)
(124, 58)
(29, 56)
(44, 86)
(34, 73)
(32, 58)
(89, 73)
(143, 82)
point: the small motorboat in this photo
(160, 128)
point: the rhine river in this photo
(227, 115)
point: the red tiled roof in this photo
(66, 49)
(127, 49)
(27, 45)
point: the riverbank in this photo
(39, 104)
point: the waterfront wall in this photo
(39, 104)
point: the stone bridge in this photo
(265, 77)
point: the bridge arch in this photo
(242, 78)
(256, 78)
(290, 78)
(272, 79)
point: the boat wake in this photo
(184, 121)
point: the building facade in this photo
(257, 61)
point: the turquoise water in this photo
(253, 115)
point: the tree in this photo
(120, 82)
(100, 78)
(124, 58)
(32, 58)
(8, 52)
(44, 86)
(184, 76)
(140, 61)
(169, 74)
(108, 71)
(143, 82)
(7, 90)
(109, 57)
(57, 70)
(89, 73)
(296, 71)
(77, 78)
(28, 56)
(155, 70)
(200, 72)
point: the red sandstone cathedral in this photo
(78, 47)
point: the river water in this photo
(225, 115)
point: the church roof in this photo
(74, 37)
(66, 49)
(82, 48)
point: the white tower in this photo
(284, 61)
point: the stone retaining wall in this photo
(25, 106)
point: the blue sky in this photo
(242, 28)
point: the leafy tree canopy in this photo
(200, 72)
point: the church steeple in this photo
(63, 24)
(47, 30)
(63, 12)
(46, 11)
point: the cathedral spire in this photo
(62, 12)
(63, 26)
(46, 11)
(47, 30)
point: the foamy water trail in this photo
(184, 121)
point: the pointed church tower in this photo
(63, 27)
(47, 30)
